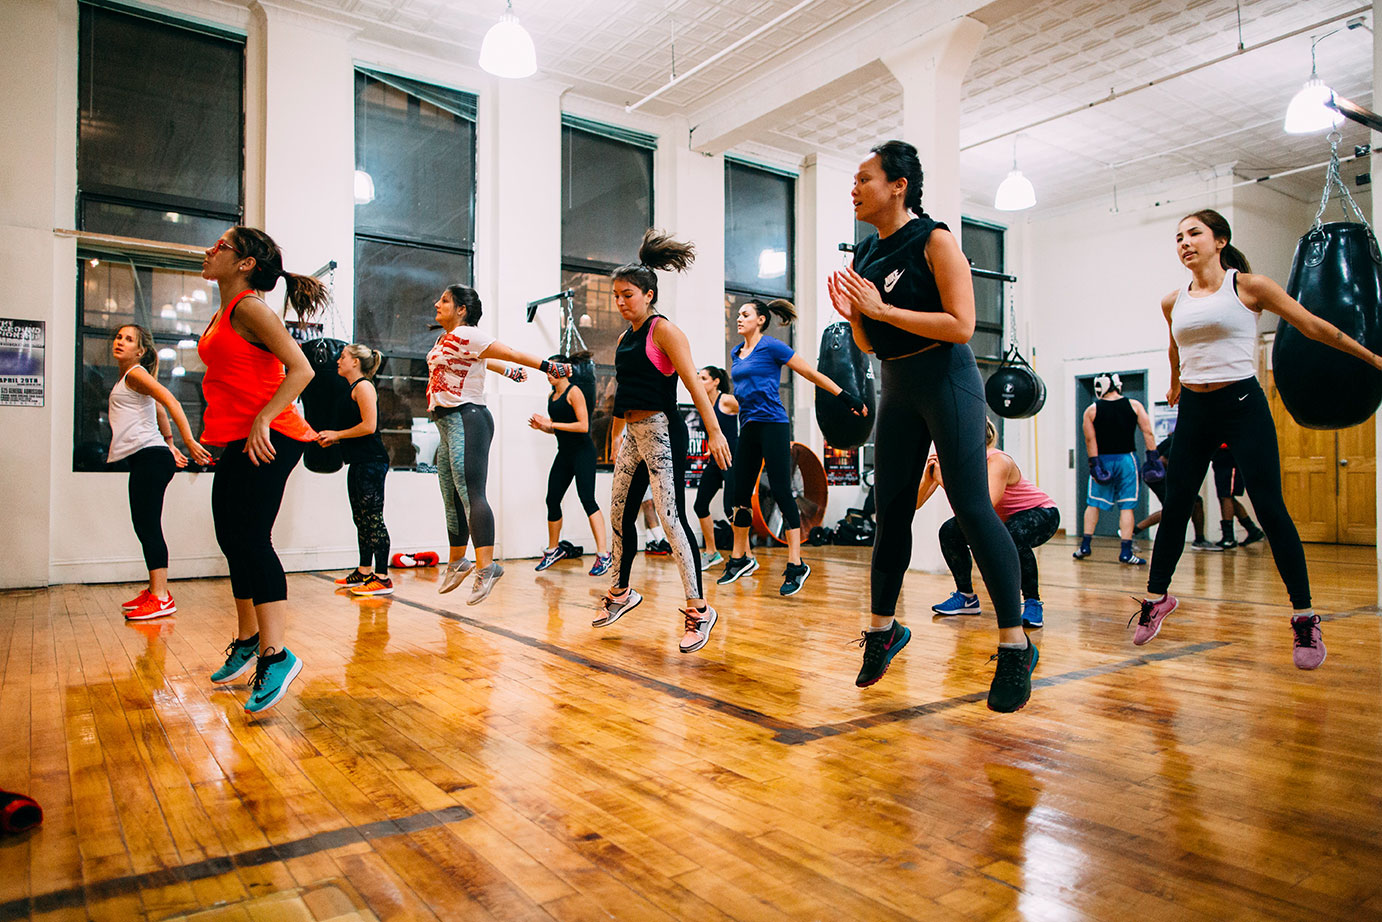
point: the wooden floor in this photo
(507, 761)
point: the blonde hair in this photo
(990, 433)
(369, 359)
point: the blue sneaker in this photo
(551, 556)
(272, 677)
(1031, 614)
(879, 649)
(240, 657)
(602, 564)
(959, 603)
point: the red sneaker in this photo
(135, 602)
(153, 607)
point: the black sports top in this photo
(1114, 423)
(897, 268)
(729, 424)
(366, 447)
(639, 383)
(559, 410)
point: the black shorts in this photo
(1227, 481)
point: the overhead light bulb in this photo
(364, 188)
(1015, 192)
(507, 50)
(1308, 113)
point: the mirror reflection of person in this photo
(1109, 424)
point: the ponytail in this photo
(370, 359)
(1230, 257)
(785, 311)
(307, 295)
(657, 251)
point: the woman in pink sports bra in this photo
(1028, 514)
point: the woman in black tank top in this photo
(717, 390)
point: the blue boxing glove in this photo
(1153, 470)
(1100, 471)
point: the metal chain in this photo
(1332, 179)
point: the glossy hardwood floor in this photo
(507, 761)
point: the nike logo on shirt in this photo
(891, 280)
(1244, 397)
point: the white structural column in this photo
(931, 69)
(1376, 169)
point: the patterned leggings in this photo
(654, 449)
(1030, 528)
(365, 487)
(463, 470)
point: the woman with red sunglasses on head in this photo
(254, 372)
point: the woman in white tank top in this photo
(1213, 325)
(139, 411)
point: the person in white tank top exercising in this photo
(139, 411)
(1213, 324)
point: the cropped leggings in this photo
(937, 396)
(654, 450)
(245, 498)
(1237, 414)
(463, 470)
(569, 464)
(365, 487)
(765, 446)
(712, 479)
(1029, 528)
(151, 470)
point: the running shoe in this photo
(602, 564)
(484, 582)
(879, 649)
(240, 657)
(375, 585)
(275, 672)
(1149, 617)
(1255, 535)
(1032, 614)
(455, 574)
(551, 556)
(135, 602)
(959, 603)
(1200, 544)
(1131, 560)
(153, 607)
(658, 548)
(698, 627)
(1012, 678)
(793, 577)
(353, 578)
(1309, 642)
(737, 567)
(1081, 553)
(710, 559)
(612, 609)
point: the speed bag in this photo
(323, 403)
(842, 362)
(1336, 275)
(1015, 391)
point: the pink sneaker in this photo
(1150, 616)
(1309, 642)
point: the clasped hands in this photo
(854, 296)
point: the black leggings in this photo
(244, 504)
(1029, 528)
(1237, 414)
(712, 478)
(765, 445)
(578, 463)
(151, 470)
(937, 395)
(365, 487)
(463, 471)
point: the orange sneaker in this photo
(152, 607)
(353, 578)
(375, 585)
(135, 602)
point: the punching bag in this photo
(842, 362)
(1336, 275)
(1015, 391)
(323, 401)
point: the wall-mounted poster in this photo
(697, 456)
(1163, 420)
(21, 363)
(841, 466)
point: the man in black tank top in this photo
(1110, 423)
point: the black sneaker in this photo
(879, 649)
(658, 548)
(1012, 679)
(1227, 543)
(793, 577)
(736, 567)
(1255, 535)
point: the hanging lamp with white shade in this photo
(1015, 192)
(1307, 112)
(507, 50)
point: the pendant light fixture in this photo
(1015, 192)
(507, 50)
(1307, 112)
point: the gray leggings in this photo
(462, 470)
(937, 396)
(653, 449)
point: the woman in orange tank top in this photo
(254, 372)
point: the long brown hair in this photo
(307, 295)
(149, 357)
(785, 311)
(657, 251)
(1230, 257)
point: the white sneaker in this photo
(484, 582)
(698, 627)
(455, 574)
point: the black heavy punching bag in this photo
(1336, 275)
(842, 362)
(1015, 391)
(322, 402)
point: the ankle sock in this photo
(1015, 646)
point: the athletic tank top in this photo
(1020, 496)
(1216, 334)
(559, 410)
(729, 424)
(1114, 422)
(641, 384)
(364, 448)
(240, 381)
(133, 421)
(897, 268)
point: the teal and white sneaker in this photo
(710, 559)
(273, 675)
(240, 657)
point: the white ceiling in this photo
(1040, 58)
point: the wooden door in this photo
(1356, 458)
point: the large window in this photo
(159, 157)
(606, 205)
(760, 238)
(983, 244)
(414, 233)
